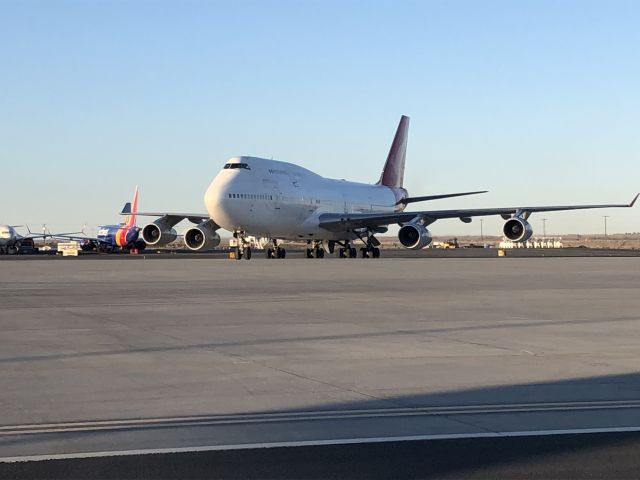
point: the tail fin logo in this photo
(393, 172)
(130, 221)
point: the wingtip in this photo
(633, 202)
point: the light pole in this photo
(544, 228)
(605, 224)
(481, 231)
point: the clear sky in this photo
(536, 101)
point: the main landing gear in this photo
(314, 249)
(347, 251)
(371, 246)
(346, 248)
(275, 251)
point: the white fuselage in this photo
(8, 235)
(276, 199)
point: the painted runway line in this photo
(314, 443)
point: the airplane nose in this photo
(213, 198)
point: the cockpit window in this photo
(237, 165)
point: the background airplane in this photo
(121, 237)
(12, 242)
(283, 201)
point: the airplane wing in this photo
(78, 236)
(169, 217)
(338, 222)
(48, 234)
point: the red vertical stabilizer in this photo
(130, 220)
(393, 172)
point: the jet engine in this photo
(158, 233)
(202, 237)
(88, 246)
(517, 230)
(414, 236)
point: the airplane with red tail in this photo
(122, 237)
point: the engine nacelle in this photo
(88, 246)
(414, 236)
(158, 234)
(202, 237)
(517, 230)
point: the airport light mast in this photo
(605, 224)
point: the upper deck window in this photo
(237, 165)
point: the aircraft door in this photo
(272, 187)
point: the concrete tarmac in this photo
(122, 355)
(297, 253)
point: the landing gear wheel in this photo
(341, 253)
(281, 253)
(319, 252)
(364, 252)
(376, 252)
(269, 253)
(309, 253)
(353, 253)
(247, 253)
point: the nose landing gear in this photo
(242, 248)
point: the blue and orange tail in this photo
(130, 210)
(393, 172)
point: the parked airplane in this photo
(283, 201)
(11, 242)
(122, 237)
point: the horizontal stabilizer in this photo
(126, 210)
(426, 198)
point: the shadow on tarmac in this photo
(600, 456)
(595, 455)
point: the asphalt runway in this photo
(200, 356)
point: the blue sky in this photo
(536, 101)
